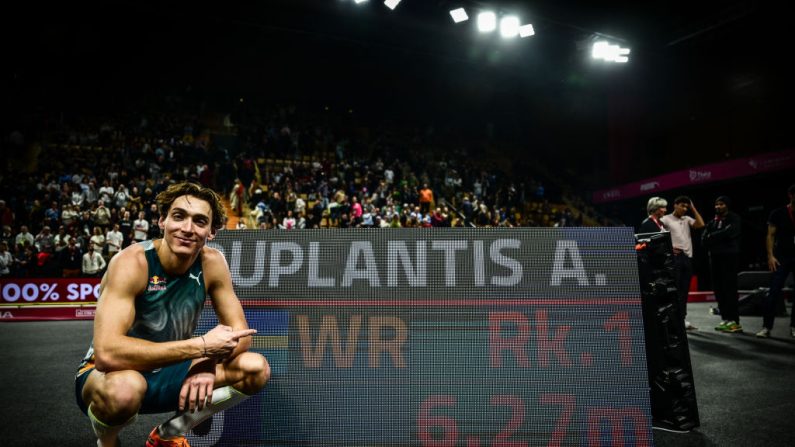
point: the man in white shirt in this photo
(114, 240)
(681, 225)
(140, 227)
(24, 237)
(106, 191)
(93, 262)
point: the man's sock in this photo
(182, 422)
(106, 434)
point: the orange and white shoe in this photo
(154, 440)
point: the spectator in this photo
(681, 226)
(300, 206)
(140, 227)
(6, 215)
(45, 241)
(71, 259)
(84, 223)
(61, 239)
(8, 237)
(77, 197)
(426, 199)
(106, 191)
(97, 240)
(126, 228)
(121, 197)
(656, 207)
(780, 244)
(288, 223)
(93, 263)
(438, 219)
(24, 238)
(356, 209)
(135, 202)
(25, 261)
(154, 227)
(114, 240)
(300, 222)
(237, 197)
(90, 192)
(70, 215)
(101, 215)
(52, 215)
(721, 238)
(45, 264)
(152, 213)
(6, 260)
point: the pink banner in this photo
(758, 164)
(21, 291)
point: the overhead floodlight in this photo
(599, 50)
(487, 22)
(622, 55)
(610, 53)
(526, 30)
(391, 4)
(359, 1)
(509, 26)
(459, 15)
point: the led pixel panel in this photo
(440, 337)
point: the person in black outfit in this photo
(71, 259)
(780, 259)
(656, 207)
(721, 238)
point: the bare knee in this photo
(256, 372)
(117, 396)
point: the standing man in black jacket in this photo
(780, 244)
(721, 238)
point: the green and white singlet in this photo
(168, 310)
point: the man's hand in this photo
(197, 389)
(222, 340)
(772, 263)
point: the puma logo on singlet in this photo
(196, 277)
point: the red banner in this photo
(758, 164)
(39, 313)
(23, 291)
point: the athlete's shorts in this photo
(162, 390)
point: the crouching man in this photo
(144, 357)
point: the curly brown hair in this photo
(176, 190)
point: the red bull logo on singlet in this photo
(156, 283)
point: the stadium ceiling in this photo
(706, 31)
(667, 29)
(737, 44)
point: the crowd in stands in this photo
(91, 187)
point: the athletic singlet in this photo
(169, 308)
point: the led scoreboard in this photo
(440, 337)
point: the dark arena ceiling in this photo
(699, 72)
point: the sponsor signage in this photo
(42, 313)
(775, 161)
(22, 291)
(32, 299)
